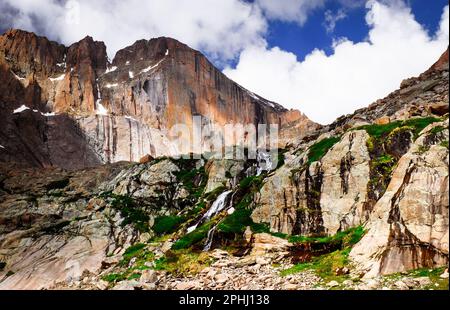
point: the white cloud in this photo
(356, 74)
(331, 19)
(220, 28)
(289, 10)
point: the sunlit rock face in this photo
(126, 108)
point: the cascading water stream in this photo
(216, 207)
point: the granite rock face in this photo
(124, 109)
(409, 225)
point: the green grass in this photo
(444, 144)
(167, 224)
(417, 124)
(193, 237)
(133, 251)
(420, 124)
(114, 277)
(347, 238)
(183, 262)
(326, 265)
(239, 221)
(432, 273)
(318, 150)
(436, 129)
(252, 183)
(378, 131)
(211, 196)
(384, 164)
(134, 276)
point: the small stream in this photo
(218, 205)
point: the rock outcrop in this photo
(409, 225)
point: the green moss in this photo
(420, 124)
(346, 238)
(417, 125)
(437, 129)
(444, 144)
(133, 251)
(318, 150)
(384, 163)
(325, 265)
(194, 180)
(134, 276)
(239, 221)
(377, 131)
(251, 183)
(114, 277)
(167, 224)
(193, 237)
(130, 210)
(437, 283)
(211, 196)
(183, 262)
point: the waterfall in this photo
(216, 207)
(265, 162)
(209, 239)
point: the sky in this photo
(325, 58)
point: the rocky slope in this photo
(108, 112)
(358, 204)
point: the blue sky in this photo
(325, 58)
(301, 40)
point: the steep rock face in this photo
(43, 141)
(76, 90)
(344, 187)
(149, 87)
(28, 54)
(409, 226)
(222, 172)
(324, 197)
(51, 230)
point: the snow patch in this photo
(1, 146)
(112, 69)
(101, 110)
(59, 78)
(167, 52)
(130, 118)
(50, 114)
(152, 67)
(21, 109)
(111, 85)
(131, 74)
(127, 63)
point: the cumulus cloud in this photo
(355, 74)
(331, 19)
(289, 10)
(220, 28)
